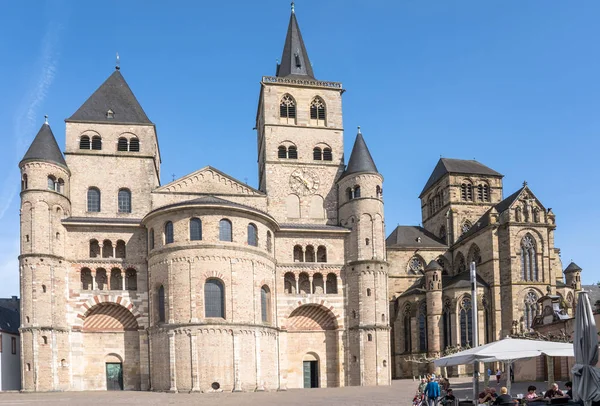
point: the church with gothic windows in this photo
(206, 284)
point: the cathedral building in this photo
(207, 284)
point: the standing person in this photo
(432, 390)
(498, 375)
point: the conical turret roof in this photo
(573, 267)
(360, 158)
(44, 148)
(294, 60)
(112, 102)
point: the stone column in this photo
(259, 383)
(172, 359)
(94, 285)
(310, 281)
(195, 373)
(237, 385)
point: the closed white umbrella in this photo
(586, 377)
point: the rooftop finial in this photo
(293, 7)
(524, 183)
(118, 65)
(46, 119)
(359, 130)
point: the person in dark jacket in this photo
(432, 390)
(504, 398)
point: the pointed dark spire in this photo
(360, 158)
(112, 102)
(294, 60)
(44, 148)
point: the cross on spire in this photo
(293, 5)
(118, 65)
(46, 119)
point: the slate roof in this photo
(573, 267)
(10, 320)
(360, 158)
(210, 200)
(407, 237)
(448, 165)
(415, 288)
(593, 293)
(44, 148)
(115, 95)
(322, 227)
(294, 60)
(101, 220)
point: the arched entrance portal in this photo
(313, 348)
(111, 345)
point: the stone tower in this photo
(45, 190)
(366, 269)
(433, 297)
(573, 280)
(300, 138)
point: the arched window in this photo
(331, 284)
(24, 182)
(101, 279)
(461, 265)
(466, 191)
(151, 238)
(289, 283)
(415, 266)
(327, 155)
(368, 291)
(51, 183)
(378, 191)
(447, 325)
(466, 323)
(252, 235)
(321, 254)
(423, 326)
(120, 249)
(169, 238)
(350, 194)
(93, 200)
(480, 192)
(84, 142)
(407, 331)
(356, 192)
(225, 230)
(318, 284)
(214, 298)
(443, 233)
(134, 144)
(265, 304)
(131, 279)
(474, 255)
(94, 249)
(317, 154)
(369, 337)
(309, 254)
(287, 108)
(292, 152)
(122, 144)
(107, 249)
(529, 268)
(96, 143)
(281, 152)
(317, 111)
(303, 283)
(116, 279)
(298, 254)
(269, 242)
(124, 200)
(466, 226)
(195, 229)
(161, 304)
(60, 186)
(530, 310)
(86, 279)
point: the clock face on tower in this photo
(304, 181)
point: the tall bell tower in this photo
(300, 137)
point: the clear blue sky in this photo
(513, 84)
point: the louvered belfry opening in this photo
(327, 155)
(282, 152)
(84, 142)
(292, 153)
(122, 144)
(134, 145)
(96, 143)
(317, 154)
(317, 109)
(287, 108)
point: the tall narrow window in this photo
(225, 230)
(96, 143)
(120, 249)
(151, 238)
(529, 268)
(298, 254)
(321, 254)
(466, 323)
(331, 284)
(24, 182)
(443, 234)
(134, 145)
(60, 186)
(86, 279)
(486, 193)
(327, 155)
(122, 144)
(469, 192)
(195, 229)
(281, 152)
(265, 304)
(214, 298)
(356, 192)
(461, 265)
(93, 200)
(480, 192)
(309, 254)
(107, 249)
(407, 332)
(447, 324)
(317, 111)
(124, 199)
(287, 108)
(131, 279)
(317, 154)
(161, 303)
(51, 183)
(423, 327)
(84, 142)
(252, 235)
(94, 249)
(292, 152)
(530, 310)
(269, 242)
(169, 238)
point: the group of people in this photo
(430, 391)
(489, 395)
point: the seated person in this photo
(554, 392)
(531, 395)
(449, 399)
(569, 386)
(485, 396)
(504, 398)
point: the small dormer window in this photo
(110, 114)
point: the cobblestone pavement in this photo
(400, 393)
